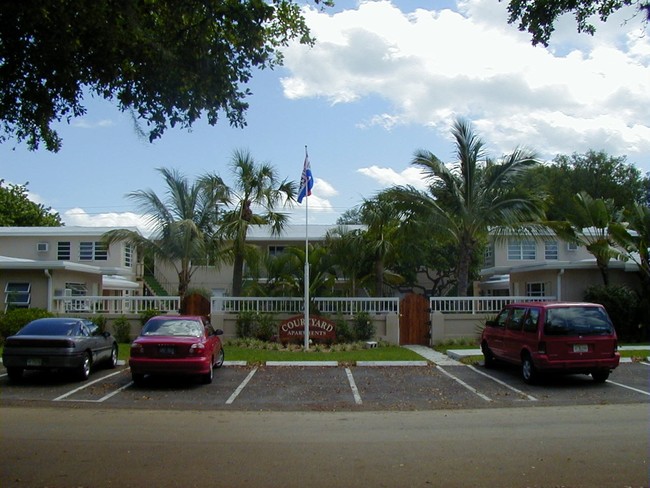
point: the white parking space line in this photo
(462, 383)
(643, 362)
(241, 387)
(353, 385)
(3, 375)
(629, 387)
(72, 392)
(503, 383)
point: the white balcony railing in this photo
(478, 304)
(114, 305)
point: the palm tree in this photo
(253, 200)
(183, 222)
(349, 254)
(474, 195)
(382, 218)
(590, 224)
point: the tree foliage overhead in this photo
(538, 16)
(17, 210)
(166, 61)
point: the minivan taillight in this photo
(541, 347)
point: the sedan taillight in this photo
(197, 349)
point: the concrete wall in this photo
(446, 327)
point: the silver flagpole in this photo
(306, 342)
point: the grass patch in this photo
(345, 353)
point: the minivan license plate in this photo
(580, 348)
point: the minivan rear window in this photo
(577, 321)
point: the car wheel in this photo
(528, 371)
(207, 377)
(489, 357)
(84, 369)
(138, 378)
(600, 376)
(113, 360)
(220, 358)
(15, 374)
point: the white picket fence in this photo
(476, 305)
(330, 305)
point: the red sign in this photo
(320, 328)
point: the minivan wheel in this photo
(600, 376)
(528, 371)
(489, 357)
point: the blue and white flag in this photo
(306, 180)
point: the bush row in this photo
(264, 327)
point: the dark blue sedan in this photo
(70, 344)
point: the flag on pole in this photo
(306, 180)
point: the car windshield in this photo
(173, 327)
(577, 321)
(50, 328)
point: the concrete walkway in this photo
(434, 356)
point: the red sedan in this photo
(176, 345)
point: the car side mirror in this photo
(491, 323)
(218, 332)
(106, 334)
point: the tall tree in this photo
(253, 201)
(538, 17)
(168, 62)
(633, 236)
(17, 210)
(594, 172)
(471, 196)
(184, 222)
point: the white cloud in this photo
(78, 216)
(429, 65)
(389, 177)
(85, 124)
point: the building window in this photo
(535, 289)
(75, 289)
(275, 251)
(17, 295)
(63, 251)
(550, 250)
(89, 251)
(128, 255)
(520, 250)
(488, 255)
(572, 246)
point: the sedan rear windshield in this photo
(50, 328)
(577, 321)
(182, 328)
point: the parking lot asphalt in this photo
(436, 382)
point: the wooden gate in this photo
(414, 321)
(196, 304)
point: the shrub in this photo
(364, 329)
(266, 328)
(245, 324)
(259, 326)
(622, 305)
(122, 328)
(343, 331)
(100, 320)
(17, 318)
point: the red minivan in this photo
(552, 337)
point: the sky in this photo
(384, 79)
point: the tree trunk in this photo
(464, 261)
(237, 275)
